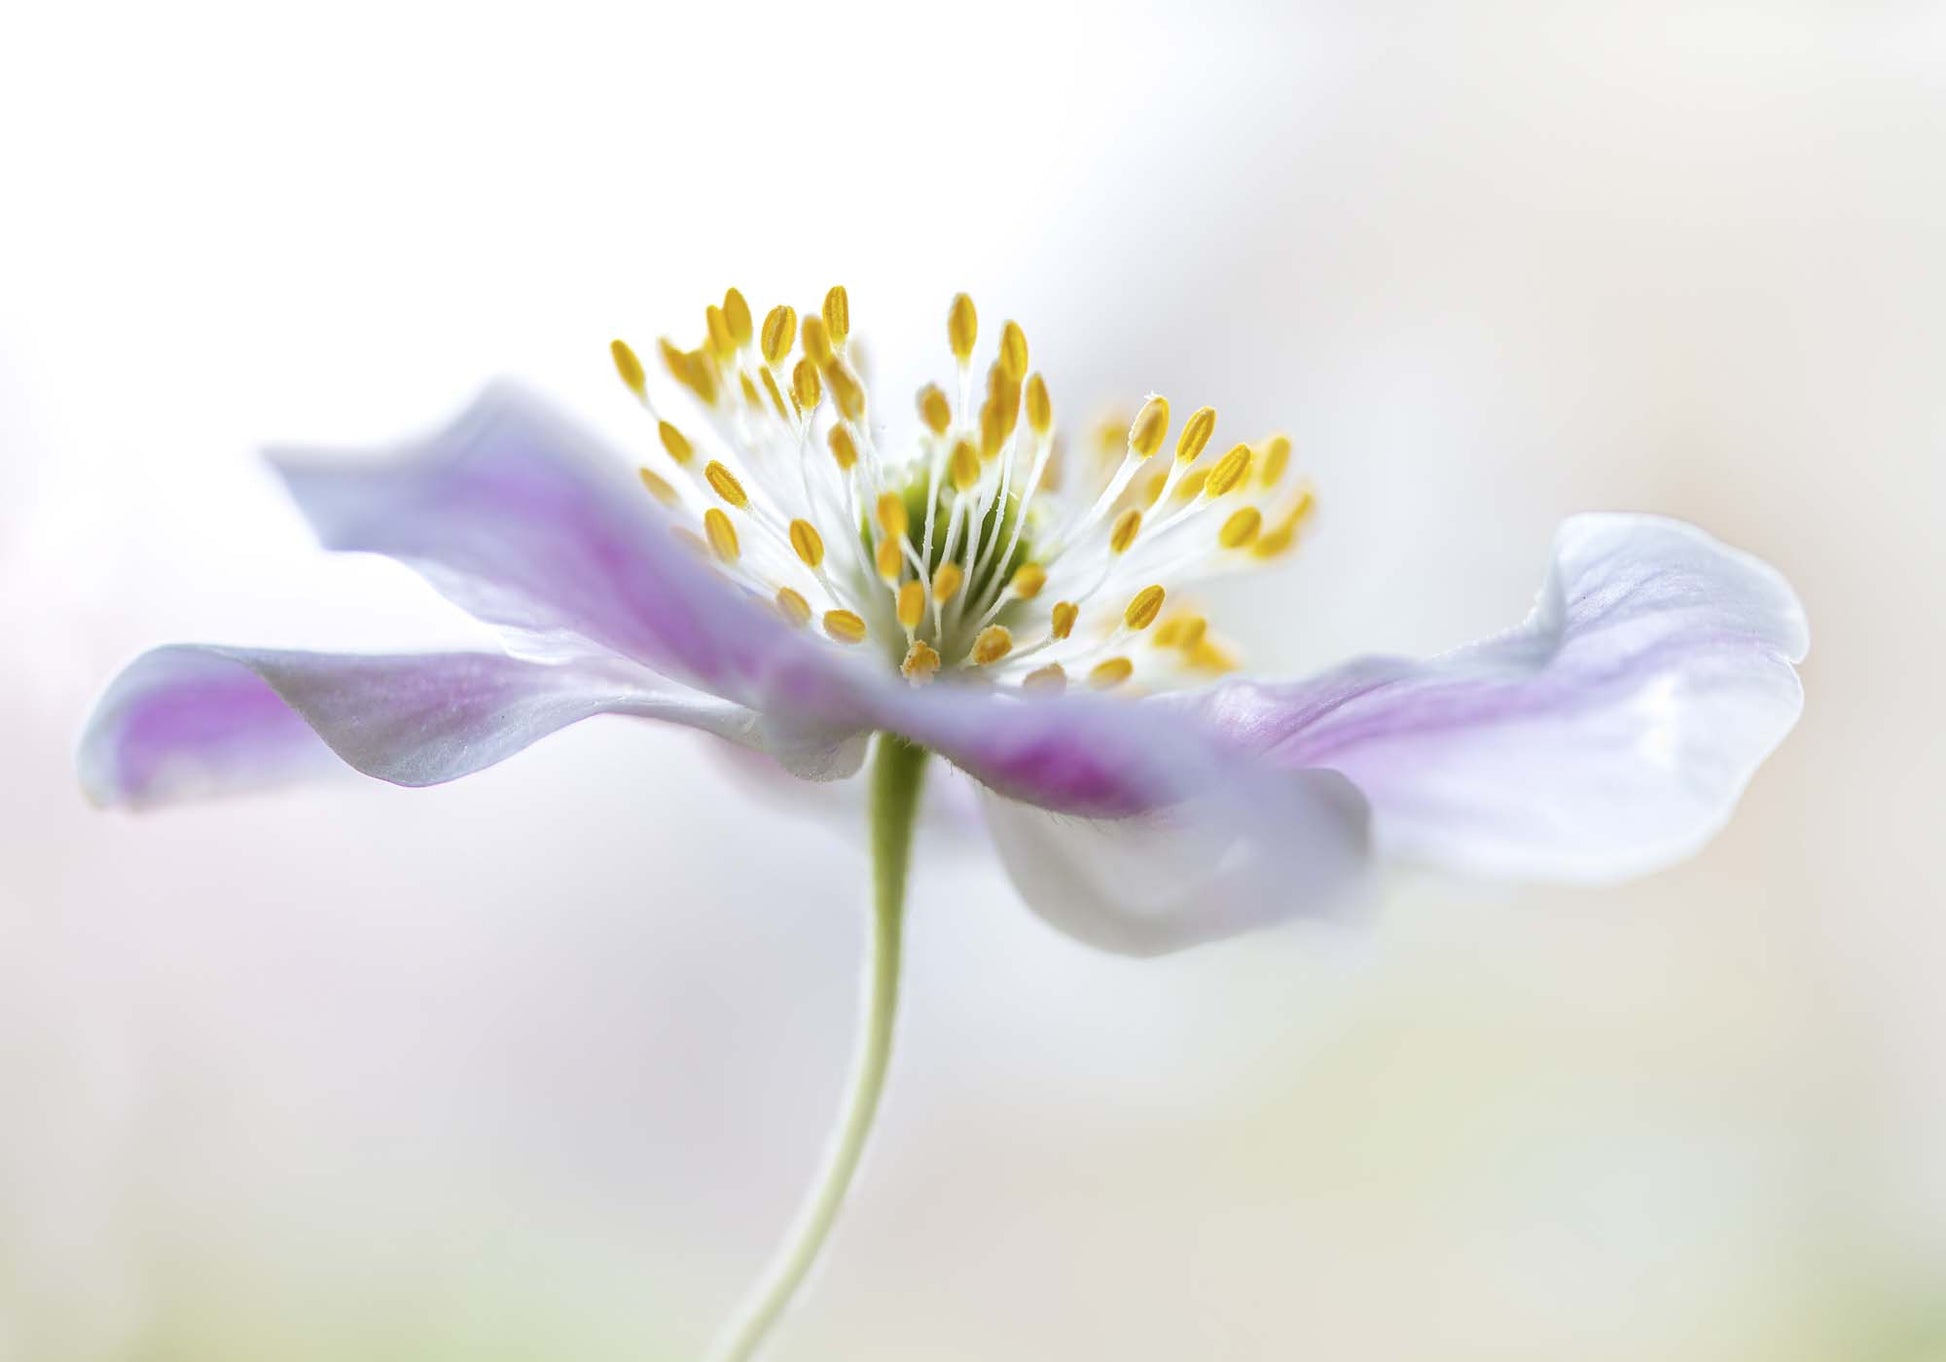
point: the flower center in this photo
(957, 550)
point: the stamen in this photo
(1028, 579)
(846, 390)
(784, 412)
(816, 341)
(890, 558)
(1230, 470)
(721, 343)
(1179, 631)
(1013, 351)
(912, 604)
(1151, 427)
(630, 369)
(1127, 525)
(675, 442)
(962, 327)
(1277, 456)
(963, 469)
(807, 543)
(805, 386)
(1241, 528)
(1052, 678)
(843, 448)
(993, 644)
(1195, 434)
(724, 483)
(780, 331)
(934, 409)
(845, 626)
(1110, 673)
(921, 663)
(891, 514)
(837, 313)
(658, 488)
(1143, 609)
(1065, 614)
(722, 534)
(1040, 410)
(793, 607)
(737, 312)
(946, 582)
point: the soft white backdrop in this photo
(534, 1066)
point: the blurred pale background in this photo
(535, 1065)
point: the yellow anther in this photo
(721, 343)
(1150, 428)
(1110, 673)
(629, 367)
(1013, 351)
(1028, 579)
(780, 331)
(1127, 525)
(963, 468)
(912, 604)
(837, 312)
(1195, 434)
(993, 430)
(1192, 484)
(1279, 540)
(777, 399)
(1149, 490)
(890, 558)
(947, 581)
(962, 327)
(793, 607)
(807, 543)
(846, 390)
(805, 385)
(1240, 530)
(722, 534)
(724, 483)
(1229, 473)
(658, 487)
(1179, 631)
(1040, 409)
(844, 626)
(816, 341)
(737, 312)
(750, 394)
(843, 448)
(690, 368)
(1277, 457)
(921, 663)
(891, 514)
(1053, 678)
(675, 442)
(1065, 614)
(934, 409)
(1209, 656)
(993, 644)
(1143, 609)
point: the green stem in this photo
(897, 775)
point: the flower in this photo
(789, 585)
(787, 577)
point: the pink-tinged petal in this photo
(1163, 881)
(1608, 735)
(189, 721)
(529, 523)
(1138, 829)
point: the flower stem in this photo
(897, 775)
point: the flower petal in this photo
(1138, 829)
(1608, 735)
(186, 721)
(1159, 882)
(525, 521)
